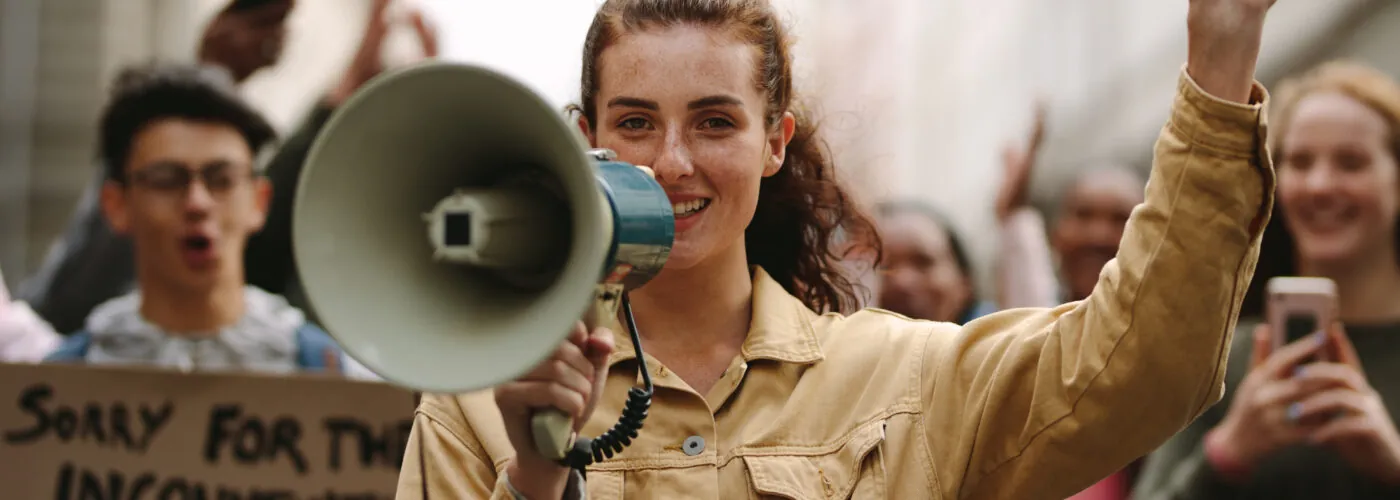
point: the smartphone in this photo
(1299, 307)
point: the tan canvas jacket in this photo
(1021, 404)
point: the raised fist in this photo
(1224, 38)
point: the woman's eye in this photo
(633, 124)
(715, 123)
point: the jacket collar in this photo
(781, 329)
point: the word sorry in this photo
(131, 427)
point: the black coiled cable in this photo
(587, 451)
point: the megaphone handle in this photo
(553, 430)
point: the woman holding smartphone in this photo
(1310, 420)
(760, 393)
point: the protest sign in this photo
(89, 433)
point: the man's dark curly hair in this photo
(145, 94)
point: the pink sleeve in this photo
(1025, 271)
(1114, 487)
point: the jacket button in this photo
(694, 445)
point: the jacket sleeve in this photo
(446, 458)
(1041, 403)
(88, 265)
(1178, 470)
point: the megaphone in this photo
(450, 228)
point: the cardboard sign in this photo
(85, 433)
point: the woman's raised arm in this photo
(1042, 403)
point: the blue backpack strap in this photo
(73, 349)
(312, 344)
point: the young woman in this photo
(1316, 430)
(759, 394)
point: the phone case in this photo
(1300, 303)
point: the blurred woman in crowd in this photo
(924, 271)
(1291, 429)
(757, 393)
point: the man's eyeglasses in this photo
(169, 177)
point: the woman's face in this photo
(920, 276)
(1337, 179)
(682, 100)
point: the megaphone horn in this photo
(450, 228)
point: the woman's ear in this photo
(587, 131)
(778, 141)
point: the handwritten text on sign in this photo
(79, 433)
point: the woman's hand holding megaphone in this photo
(569, 380)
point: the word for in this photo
(131, 427)
(75, 483)
(251, 439)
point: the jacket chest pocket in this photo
(852, 470)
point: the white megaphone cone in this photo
(450, 228)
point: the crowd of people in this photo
(1092, 370)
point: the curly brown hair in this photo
(803, 211)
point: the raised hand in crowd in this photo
(1025, 270)
(246, 36)
(269, 258)
(1018, 163)
(368, 61)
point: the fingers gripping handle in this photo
(553, 430)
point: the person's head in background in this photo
(179, 150)
(1336, 144)
(1088, 224)
(246, 36)
(925, 271)
(702, 92)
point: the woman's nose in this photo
(673, 162)
(1320, 179)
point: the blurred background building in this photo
(917, 97)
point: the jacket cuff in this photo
(1226, 127)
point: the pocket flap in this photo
(818, 472)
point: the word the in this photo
(384, 448)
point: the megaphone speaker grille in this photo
(395, 149)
